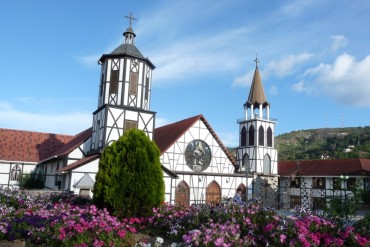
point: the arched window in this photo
(261, 136)
(251, 136)
(246, 164)
(266, 164)
(269, 137)
(243, 137)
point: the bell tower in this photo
(124, 93)
(256, 153)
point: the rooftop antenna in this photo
(342, 120)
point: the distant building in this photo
(311, 183)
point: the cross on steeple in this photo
(257, 61)
(131, 18)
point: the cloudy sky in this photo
(314, 60)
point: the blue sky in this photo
(314, 60)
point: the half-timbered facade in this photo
(124, 94)
(313, 183)
(204, 169)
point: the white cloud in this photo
(346, 80)
(338, 42)
(244, 80)
(65, 123)
(198, 55)
(300, 87)
(287, 65)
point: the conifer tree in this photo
(130, 179)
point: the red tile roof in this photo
(29, 146)
(79, 163)
(167, 135)
(325, 167)
(76, 141)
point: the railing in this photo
(257, 117)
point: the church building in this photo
(197, 167)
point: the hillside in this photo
(326, 143)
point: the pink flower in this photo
(268, 227)
(122, 233)
(282, 238)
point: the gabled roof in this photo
(256, 94)
(76, 141)
(29, 146)
(325, 167)
(167, 135)
(86, 182)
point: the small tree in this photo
(130, 179)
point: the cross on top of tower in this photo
(130, 18)
(257, 61)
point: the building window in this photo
(269, 137)
(133, 83)
(246, 164)
(58, 181)
(101, 85)
(366, 183)
(243, 137)
(318, 183)
(266, 164)
(147, 88)
(295, 201)
(337, 183)
(129, 124)
(295, 182)
(251, 136)
(114, 77)
(351, 184)
(261, 136)
(16, 173)
(319, 203)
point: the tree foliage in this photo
(130, 179)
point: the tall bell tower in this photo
(256, 153)
(124, 93)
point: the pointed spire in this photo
(257, 93)
(129, 33)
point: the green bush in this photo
(32, 181)
(130, 179)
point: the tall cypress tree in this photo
(130, 179)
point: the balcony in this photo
(256, 117)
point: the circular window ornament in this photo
(198, 155)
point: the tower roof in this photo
(256, 94)
(127, 48)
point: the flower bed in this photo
(68, 220)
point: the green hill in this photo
(326, 143)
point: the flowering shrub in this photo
(56, 220)
(68, 220)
